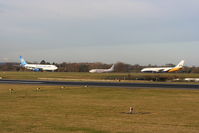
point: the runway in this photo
(103, 84)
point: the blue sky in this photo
(132, 31)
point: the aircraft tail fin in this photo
(112, 67)
(180, 65)
(22, 61)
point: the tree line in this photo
(85, 67)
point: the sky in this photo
(109, 31)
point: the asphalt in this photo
(103, 84)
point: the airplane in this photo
(164, 69)
(102, 70)
(36, 67)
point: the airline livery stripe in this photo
(174, 69)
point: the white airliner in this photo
(164, 69)
(102, 70)
(37, 67)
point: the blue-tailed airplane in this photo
(37, 67)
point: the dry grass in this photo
(52, 109)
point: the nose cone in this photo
(55, 67)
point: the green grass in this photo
(72, 76)
(97, 110)
(59, 75)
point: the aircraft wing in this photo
(163, 70)
(35, 68)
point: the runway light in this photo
(11, 91)
(131, 110)
(38, 89)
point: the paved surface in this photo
(108, 84)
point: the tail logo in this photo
(23, 62)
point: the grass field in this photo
(69, 76)
(54, 109)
